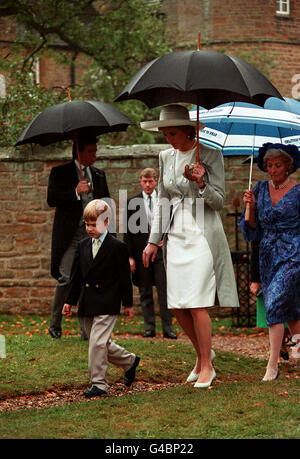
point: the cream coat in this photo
(213, 197)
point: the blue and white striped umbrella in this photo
(287, 105)
(241, 128)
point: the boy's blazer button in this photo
(87, 285)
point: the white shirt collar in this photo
(101, 237)
(146, 196)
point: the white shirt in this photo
(149, 212)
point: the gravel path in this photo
(253, 346)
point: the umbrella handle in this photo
(78, 156)
(248, 212)
(187, 173)
(187, 169)
(248, 209)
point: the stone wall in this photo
(26, 220)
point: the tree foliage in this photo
(117, 37)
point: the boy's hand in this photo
(132, 264)
(66, 311)
(128, 312)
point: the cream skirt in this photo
(191, 279)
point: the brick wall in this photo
(236, 24)
(231, 20)
(26, 220)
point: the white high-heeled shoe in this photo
(208, 383)
(194, 376)
(268, 378)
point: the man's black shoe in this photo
(130, 374)
(170, 335)
(54, 332)
(149, 334)
(94, 391)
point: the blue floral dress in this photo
(278, 230)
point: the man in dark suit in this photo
(139, 215)
(69, 192)
(100, 281)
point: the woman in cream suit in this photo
(197, 256)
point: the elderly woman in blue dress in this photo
(275, 222)
(197, 256)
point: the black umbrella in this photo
(70, 120)
(62, 121)
(206, 78)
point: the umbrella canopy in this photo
(287, 104)
(70, 119)
(206, 78)
(241, 128)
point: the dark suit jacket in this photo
(103, 283)
(137, 241)
(61, 194)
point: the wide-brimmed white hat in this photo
(171, 115)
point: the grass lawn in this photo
(237, 406)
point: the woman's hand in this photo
(149, 253)
(198, 173)
(249, 198)
(249, 201)
(254, 287)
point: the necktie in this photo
(85, 198)
(96, 246)
(150, 202)
(150, 210)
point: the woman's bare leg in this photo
(202, 326)
(275, 336)
(186, 322)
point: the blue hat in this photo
(291, 150)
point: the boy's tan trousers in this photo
(103, 350)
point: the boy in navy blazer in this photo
(100, 282)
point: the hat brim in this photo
(156, 125)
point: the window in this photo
(35, 70)
(283, 7)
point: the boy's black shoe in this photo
(149, 334)
(170, 335)
(130, 374)
(94, 391)
(54, 332)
